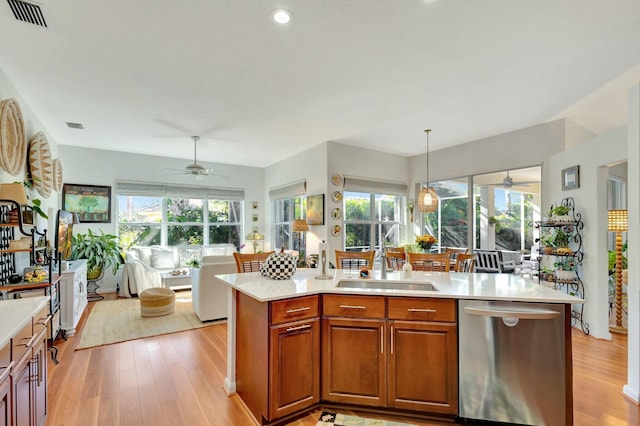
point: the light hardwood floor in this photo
(176, 379)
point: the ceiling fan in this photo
(196, 169)
(508, 182)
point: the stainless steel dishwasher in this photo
(512, 362)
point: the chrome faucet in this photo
(383, 261)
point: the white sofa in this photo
(209, 297)
(149, 266)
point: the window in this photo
(506, 206)
(449, 223)
(288, 203)
(150, 214)
(285, 211)
(371, 221)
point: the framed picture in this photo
(571, 178)
(315, 209)
(91, 202)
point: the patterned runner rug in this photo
(114, 321)
(332, 419)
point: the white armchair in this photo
(208, 297)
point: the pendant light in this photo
(428, 199)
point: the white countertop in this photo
(456, 285)
(16, 313)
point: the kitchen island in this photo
(383, 343)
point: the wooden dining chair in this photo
(430, 261)
(465, 262)
(395, 259)
(250, 262)
(354, 259)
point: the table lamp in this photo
(618, 223)
(13, 192)
(255, 237)
(300, 226)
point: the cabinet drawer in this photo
(21, 341)
(294, 309)
(422, 309)
(353, 306)
(5, 356)
(40, 320)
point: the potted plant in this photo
(547, 244)
(565, 269)
(561, 214)
(560, 238)
(100, 250)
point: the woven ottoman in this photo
(157, 301)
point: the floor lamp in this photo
(300, 226)
(618, 224)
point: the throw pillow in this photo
(162, 258)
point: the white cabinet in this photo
(73, 295)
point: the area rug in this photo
(332, 419)
(114, 321)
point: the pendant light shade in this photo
(428, 199)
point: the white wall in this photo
(100, 167)
(365, 163)
(311, 165)
(32, 126)
(593, 157)
(518, 149)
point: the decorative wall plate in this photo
(57, 175)
(336, 213)
(41, 164)
(13, 143)
(336, 230)
(336, 180)
(336, 196)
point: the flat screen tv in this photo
(64, 234)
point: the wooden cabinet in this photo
(404, 359)
(23, 389)
(278, 355)
(353, 350)
(423, 356)
(5, 394)
(73, 296)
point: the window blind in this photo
(289, 190)
(357, 184)
(145, 189)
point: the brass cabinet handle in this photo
(352, 307)
(7, 371)
(382, 339)
(300, 327)
(391, 339)
(292, 311)
(421, 310)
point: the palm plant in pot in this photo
(101, 251)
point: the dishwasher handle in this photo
(509, 313)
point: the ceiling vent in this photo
(31, 13)
(74, 125)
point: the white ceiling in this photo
(144, 75)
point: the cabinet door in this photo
(39, 379)
(22, 413)
(294, 367)
(5, 402)
(353, 361)
(423, 366)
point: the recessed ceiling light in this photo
(281, 16)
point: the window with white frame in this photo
(288, 203)
(373, 213)
(151, 214)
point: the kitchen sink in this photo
(387, 285)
